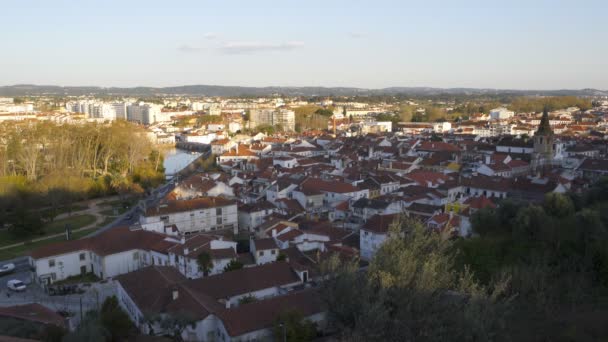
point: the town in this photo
(282, 186)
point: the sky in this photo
(515, 44)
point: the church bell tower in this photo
(544, 140)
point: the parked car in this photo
(15, 285)
(62, 290)
(6, 269)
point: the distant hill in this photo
(213, 90)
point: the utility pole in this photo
(284, 328)
(81, 309)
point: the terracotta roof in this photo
(112, 241)
(262, 314)
(188, 205)
(290, 235)
(437, 146)
(265, 244)
(595, 165)
(239, 151)
(245, 280)
(33, 312)
(315, 185)
(151, 289)
(517, 163)
(380, 223)
(480, 202)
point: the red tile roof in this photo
(316, 185)
(262, 314)
(33, 312)
(188, 205)
(380, 223)
(112, 241)
(480, 202)
(245, 280)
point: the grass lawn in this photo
(110, 212)
(63, 210)
(106, 221)
(55, 227)
(18, 251)
(76, 221)
(120, 203)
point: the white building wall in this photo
(65, 265)
(369, 243)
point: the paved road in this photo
(92, 299)
(21, 272)
(131, 216)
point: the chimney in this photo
(175, 294)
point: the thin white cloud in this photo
(357, 35)
(210, 35)
(189, 49)
(252, 47)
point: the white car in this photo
(15, 285)
(7, 268)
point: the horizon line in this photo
(307, 86)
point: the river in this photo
(176, 160)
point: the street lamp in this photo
(284, 329)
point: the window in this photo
(261, 253)
(273, 252)
(219, 220)
(83, 256)
(164, 218)
(136, 256)
(52, 263)
(218, 211)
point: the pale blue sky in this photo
(531, 44)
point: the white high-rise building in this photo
(282, 117)
(501, 114)
(120, 109)
(143, 113)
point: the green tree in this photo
(412, 287)
(115, 320)
(558, 205)
(248, 299)
(292, 327)
(233, 265)
(485, 221)
(89, 329)
(205, 263)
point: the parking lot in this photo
(91, 299)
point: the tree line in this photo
(50, 164)
(532, 273)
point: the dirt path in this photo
(94, 209)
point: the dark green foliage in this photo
(557, 259)
(115, 320)
(412, 291)
(324, 112)
(248, 299)
(292, 327)
(537, 104)
(89, 329)
(205, 263)
(233, 265)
